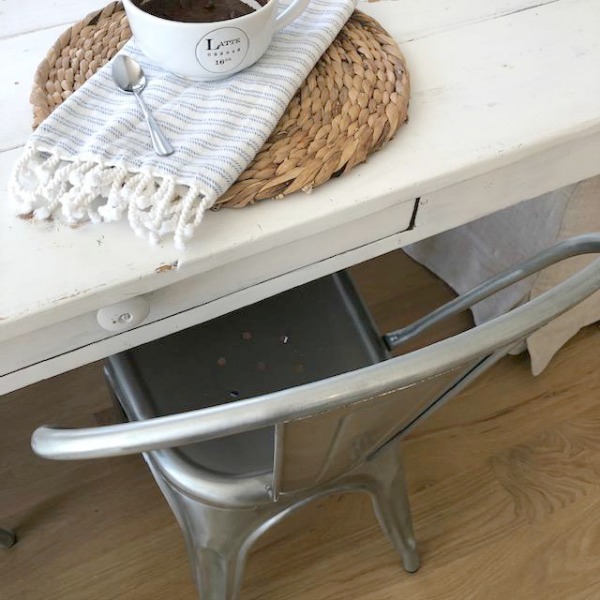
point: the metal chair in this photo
(246, 418)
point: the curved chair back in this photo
(322, 428)
(318, 449)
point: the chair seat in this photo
(312, 332)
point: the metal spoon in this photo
(130, 78)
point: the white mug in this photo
(209, 51)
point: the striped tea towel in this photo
(92, 160)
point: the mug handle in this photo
(290, 13)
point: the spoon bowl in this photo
(128, 74)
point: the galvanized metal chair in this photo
(248, 417)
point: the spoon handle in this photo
(161, 144)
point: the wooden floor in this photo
(505, 488)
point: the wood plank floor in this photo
(505, 488)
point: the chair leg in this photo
(218, 553)
(217, 539)
(7, 538)
(390, 501)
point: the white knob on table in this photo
(123, 315)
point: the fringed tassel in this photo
(193, 207)
(44, 186)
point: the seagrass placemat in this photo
(351, 104)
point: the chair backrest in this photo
(324, 427)
(318, 449)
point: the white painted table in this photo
(505, 106)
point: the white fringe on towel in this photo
(155, 206)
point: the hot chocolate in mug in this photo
(209, 50)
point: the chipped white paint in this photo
(504, 107)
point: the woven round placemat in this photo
(351, 104)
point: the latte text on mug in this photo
(223, 49)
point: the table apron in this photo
(537, 174)
(66, 345)
(72, 343)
